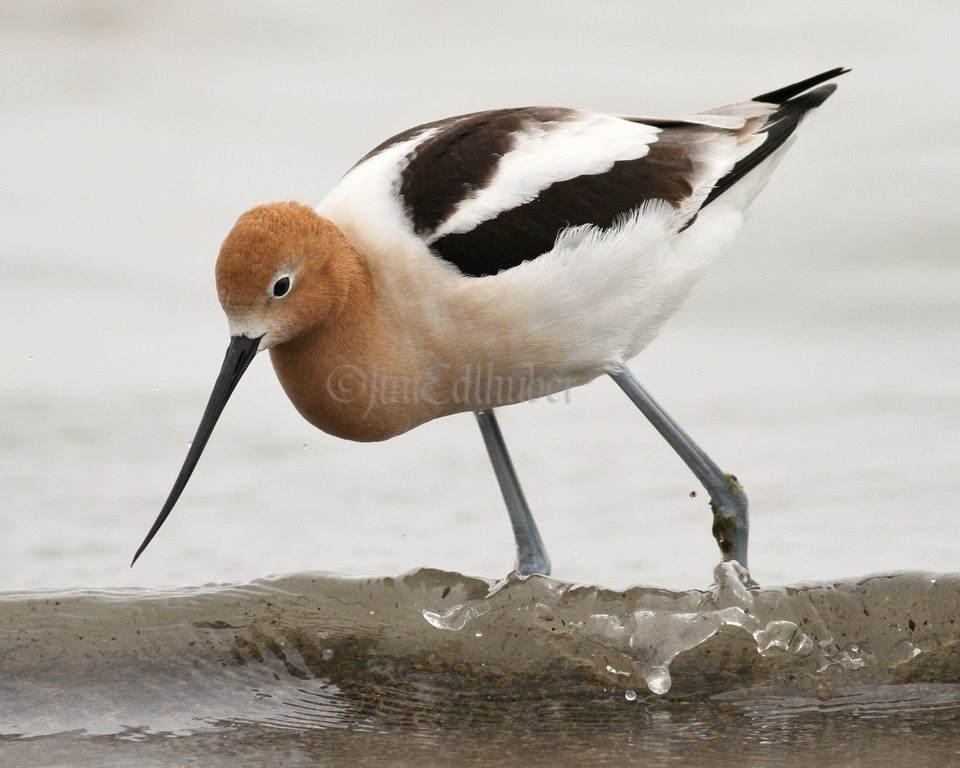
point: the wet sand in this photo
(471, 672)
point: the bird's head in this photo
(280, 273)
(283, 270)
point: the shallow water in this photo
(312, 669)
(818, 361)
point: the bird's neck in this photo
(410, 342)
(327, 371)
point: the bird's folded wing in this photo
(489, 190)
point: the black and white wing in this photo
(490, 190)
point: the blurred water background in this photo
(818, 360)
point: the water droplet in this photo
(30, 358)
(326, 654)
(189, 443)
(543, 611)
(156, 389)
(630, 695)
(478, 634)
(783, 637)
(658, 680)
(848, 658)
(457, 616)
(903, 652)
(693, 494)
(304, 446)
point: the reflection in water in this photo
(434, 661)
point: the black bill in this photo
(239, 354)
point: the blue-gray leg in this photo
(731, 525)
(531, 554)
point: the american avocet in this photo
(491, 258)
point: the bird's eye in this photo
(281, 287)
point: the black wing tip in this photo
(811, 99)
(794, 102)
(783, 95)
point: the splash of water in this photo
(97, 661)
(641, 635)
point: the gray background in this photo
(818, 360)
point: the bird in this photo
(490, 258)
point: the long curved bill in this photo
(239, 354)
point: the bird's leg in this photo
(731, 525)
(531, 554)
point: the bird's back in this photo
(572, 234)
(489, 190)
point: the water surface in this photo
(437, 666)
